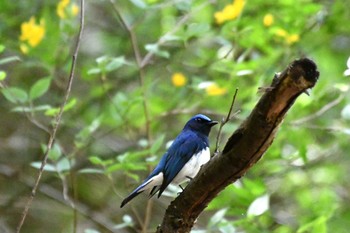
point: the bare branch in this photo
(320, 112)
(56, 122)
(243, 149)
(223, 122)
(137, 55)
(148, 57)
(138, 59)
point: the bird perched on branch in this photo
(184, 158)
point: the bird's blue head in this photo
(200, 123)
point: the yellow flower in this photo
(61, 7)
(75, 9)
(178, 79)
(268, 20)
(212, 88)
(289, 38)
(64, 8)
(32, 33)
(281, 32)
(230, 11)
(293, 38)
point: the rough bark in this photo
(243, 149)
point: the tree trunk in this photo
(243, 149)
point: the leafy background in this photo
(134, 89)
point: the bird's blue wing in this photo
(180, 152)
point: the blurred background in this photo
(144, 68)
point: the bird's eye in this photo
(198, 119)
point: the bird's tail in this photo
(152, 181)
(136, 192)
(131, 196)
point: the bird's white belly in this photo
(193, 166)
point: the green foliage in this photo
(125, 106)
(2, 75)
(39, 88)
(15, 94)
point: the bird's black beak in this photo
(212, 123)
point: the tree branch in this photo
(223, 122)
(320, 112)
(56, 123)
(138, 58)
(243, 149)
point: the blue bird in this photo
(184, 158)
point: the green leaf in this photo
(31, 109)
(304, 100)
(96, 160)
(91, 171)
(48, 167)
(9, 59)
(132, 156)
(169, 38)
(319, 225)
(343, 87)
(125, 167)
(55, 111)
(2, 48)
(217, 218)
(101, 60)
(15, 94)
(133, 176)
(91, 231)
(94, 71)
(64, 165)
(303, 153)
(139, 3)
(255, 187)
(86, 132)
(197, 29)
(259, 206)
(55, 152)
(2, 75)
(39, 88)
(154, 48)
(345, 113)
(70, 104)
(346, 131)
(116, 167)
(115, 63)
(127, 222)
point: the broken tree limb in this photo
(243, 149)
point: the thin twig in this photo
(147, 216)
(138, 59)
(95, 217)
(56, 122)
(146, 60)
(223, 122)
(116, 192)
(319, 112)
(163, 39)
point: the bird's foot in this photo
(182, 189)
